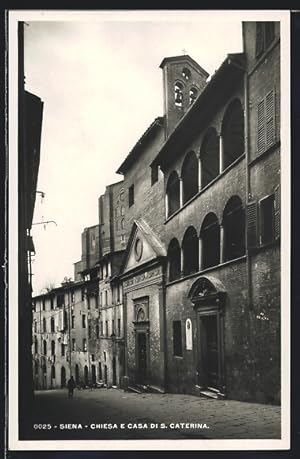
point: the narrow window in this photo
(267, 233)
(52, 303)
(63, 349)
(101, 302)
(44, 304)
(83, 321)
(35, 345)
(84, 345)
(45, 347)
(44, 325)
(101, 328)
(97, 331)
(177, 338)
(73, 321)
(106, 327)
(53, 372)
(35, 326)
(131, 195)
(105, 295)
(52, 325)
(89, 331)
(119, 327)
(112, 327)
(52, 347)
(73, 344)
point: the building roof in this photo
(184, 57)
(230, 71)
(136, 150)
(65, 287)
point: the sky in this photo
(101, 85)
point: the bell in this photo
(178, 98)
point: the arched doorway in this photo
(208, 297)
(77, 375)
(63, 377)
(86, 375)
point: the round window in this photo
(138, 249)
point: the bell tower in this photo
(183, 81)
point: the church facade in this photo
(186, 255)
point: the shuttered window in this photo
(266, 122)
(251, 225)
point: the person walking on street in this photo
(71, 386)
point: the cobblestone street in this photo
(220, 419)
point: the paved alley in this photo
(113, 413)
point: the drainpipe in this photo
(248, 187)
(251, 351)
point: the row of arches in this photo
(216, 243)
(216, 154)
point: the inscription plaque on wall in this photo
(188, 335)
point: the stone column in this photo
(166, 205)
(180, 192)
(200, 254)
(222, 257)
(199, 172)
(221, 154)
(181, 261)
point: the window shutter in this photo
(261, 127)
(277, 212)
(270, 119)
(251, 225)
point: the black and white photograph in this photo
(149, 209)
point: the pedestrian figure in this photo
(71, 386)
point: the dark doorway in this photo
(105, 375)
(86, 376)
(114, 368)
(77, 374)
(142, 358)
(209, 346)
(94, 375)
(100, 371)
(63, 377)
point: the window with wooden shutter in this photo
(251, 225)
(270, 119)
(266, 122)
(277, 212)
